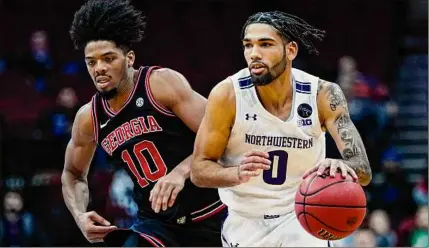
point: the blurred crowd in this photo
(37, 111)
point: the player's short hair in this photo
(111, 20)
(290, 27)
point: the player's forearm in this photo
(351, 146)
(75, 193)
(184, 168)
(209, 174)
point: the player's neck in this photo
(278, 93)
(124, 90)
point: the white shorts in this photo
(281, 231)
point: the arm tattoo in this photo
(354, 153)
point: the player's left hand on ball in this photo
(165, 191)
(333, 165)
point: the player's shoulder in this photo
(167, 78)
(83, 120)
(326, 87)
(223, 91)
(84, 111)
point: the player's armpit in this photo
(212, 139)
(173, 91)
(335, 117)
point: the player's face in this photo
(266, 53)
(107, 65)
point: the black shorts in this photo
(156, 233)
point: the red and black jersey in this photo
(149, 141)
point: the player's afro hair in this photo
(112, 20)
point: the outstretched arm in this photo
(335, 117)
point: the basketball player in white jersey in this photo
(264, 131)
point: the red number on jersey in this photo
(144, 165)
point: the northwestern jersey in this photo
(294, 145)
(149, 141)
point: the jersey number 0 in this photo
(276, 175)
(150, 175)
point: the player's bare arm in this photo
(335, 118)
(212, 139)
(172, 90)
(79, 153)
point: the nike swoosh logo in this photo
(105, 124)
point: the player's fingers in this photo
(166, 196)
(250, 173)
(322, 167)
(255, 159)
(102, 233)
(173, 196)
(255, 166)
(155, 191)
(333, 168)
(343, 168)
(256, 153)
(97, 218)
(100, 229)
(157, 203)
(352, 173)
(95, 240)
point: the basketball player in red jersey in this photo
(145, 119)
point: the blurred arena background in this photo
(375, 49)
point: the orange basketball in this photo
(330, 208)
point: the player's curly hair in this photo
(290, 27)
(112, 20)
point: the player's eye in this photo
(109, 59)
(265, 44)
(90, 63)
(247, 45)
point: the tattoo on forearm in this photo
(354, 153)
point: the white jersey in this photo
(294, 146)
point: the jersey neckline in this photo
(109, 111)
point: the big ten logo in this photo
(304, 122)
(326, 235)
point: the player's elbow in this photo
(197, 176)
(365, 179)
(366, 176)
(70, 176)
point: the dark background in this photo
(386, 40)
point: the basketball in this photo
(330, 208)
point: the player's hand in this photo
(333, 165)
(93, 226)
(252, 164)
(165, 191)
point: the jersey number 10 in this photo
(150, 175)
(276, 175)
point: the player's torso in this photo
(148, 141)
(294, 145)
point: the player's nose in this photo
(255, 54)
(100, 68)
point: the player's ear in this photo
(131, 56)
(291, 49)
